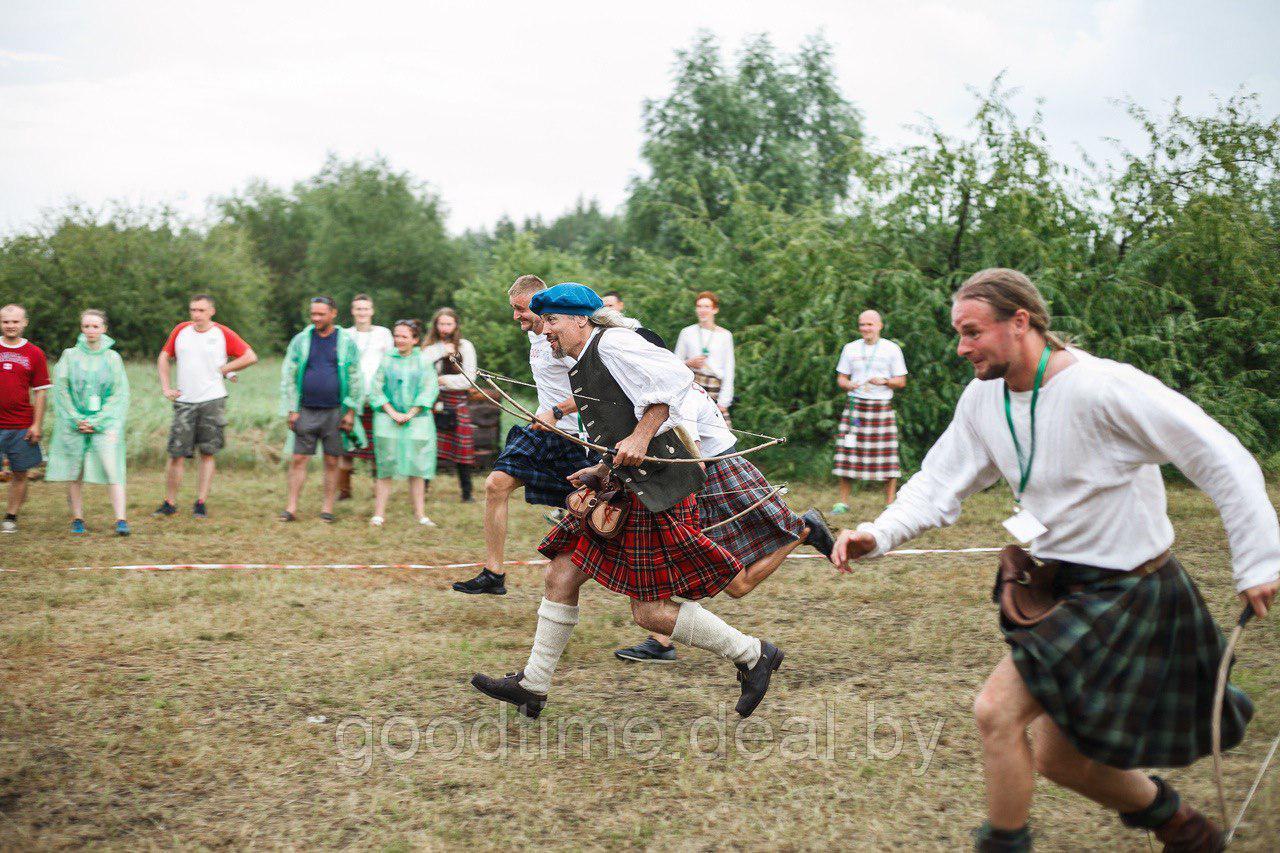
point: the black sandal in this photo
(285, 515)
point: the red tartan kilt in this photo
(658, 555)
(457, 445)
(366, 421)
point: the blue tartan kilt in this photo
(542, 460)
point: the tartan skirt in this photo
(1126, 667)
(658, 555)
(711, 384)
(366, 452)
(874, 451)
(731, 486)
(542, 461)
(458, 444)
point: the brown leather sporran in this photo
(601, 505)
(1024, 588)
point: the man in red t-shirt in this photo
(24, 379)
(207, 353)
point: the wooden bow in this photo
(1219, 697)
(524, 414)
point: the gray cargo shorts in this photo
(318, 426)
(197, 426)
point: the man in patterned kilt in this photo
(533, 458)
(761, 537)
(870, 371)
(1120, 673)
(661, 552)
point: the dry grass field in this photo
(330, 708)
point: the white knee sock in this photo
(555, 625)
(702, 629)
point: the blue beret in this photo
(567, 298)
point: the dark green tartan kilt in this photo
(1126, 668)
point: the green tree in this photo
(777, 127)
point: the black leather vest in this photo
(659, 486)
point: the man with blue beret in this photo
(631, 397)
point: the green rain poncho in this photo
(350, 382)
(409, 449)
(89, 385)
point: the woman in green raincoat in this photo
(401, 396)
(90, 402)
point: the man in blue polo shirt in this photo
(320, 392)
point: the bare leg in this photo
(204, 482)
(330, 482)
(75, 498)
(381, 489)
(1057, 759)
(563, 580)
(891, 491)
(17, 491)
(297, 476)
(418, 497)
(498, 487)
(1004, 708)
(115, 491)
(173, 471)
(751, 577)
(846, 490)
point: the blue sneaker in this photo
(77, 525)
(122, 528)
(648, 650)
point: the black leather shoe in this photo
(485, 583)
(508, 689)
(819, 538)
(755, 680)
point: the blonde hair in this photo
(526, 284)
(94, 312)
(1008, 291)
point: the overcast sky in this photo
(521, 107)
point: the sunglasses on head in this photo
(324, 300)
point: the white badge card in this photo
(95, 403)
(1024, 526)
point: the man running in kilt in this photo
(533, 458)
(1121, 673)
(661, 552)
(870, 370)
(761, 537)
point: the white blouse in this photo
(717, 345)
(1103, 428)
(372, 346)
(454, 381)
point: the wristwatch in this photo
(556, 413)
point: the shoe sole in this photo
(629, 659)
(499, 591)
(529, 710)
(777, 665)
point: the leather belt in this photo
(1155, 564)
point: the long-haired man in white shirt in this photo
(1120, 675)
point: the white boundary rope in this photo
(174, 567)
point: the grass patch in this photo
(330, 708)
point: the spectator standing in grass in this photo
(869, 372)
(445, 347)
(320, 393)
(373, 342)
(90, 404)
(24, 380)
(402, 394)
(207, 355)
(707, 350)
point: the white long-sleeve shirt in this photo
(717, 345)
(1102, 430)
(647, 374)
(372, 346)
(454, 381)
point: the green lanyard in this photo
(1024, 465)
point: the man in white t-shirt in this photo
(869, 371)
(373, 343)
(533, 459)
(207, 354)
